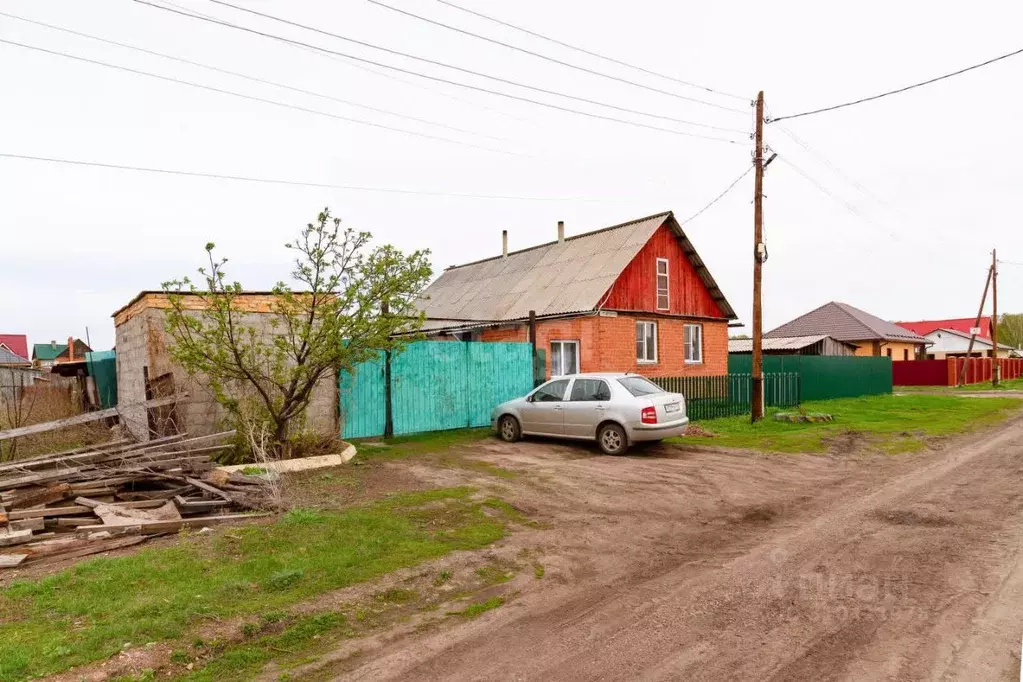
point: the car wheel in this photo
(612, 440)
(508, 429)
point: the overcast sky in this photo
(922, 184)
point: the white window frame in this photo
(687, 346)
(667, 284)
(561, 350)
(645, 360)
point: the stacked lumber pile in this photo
(81, 502)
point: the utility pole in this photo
(757, 407)
(996, 369)
(980, 312)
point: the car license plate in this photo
(671, 407)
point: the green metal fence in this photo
(435, 385)
(102, 366)
(730, 395)
(825, 377)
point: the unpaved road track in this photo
(676, 564)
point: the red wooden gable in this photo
(636, 288)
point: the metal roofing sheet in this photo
(551, 279)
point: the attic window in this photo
(663, 302)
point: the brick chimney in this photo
(70, 349)
(504, 243)
(561, 231)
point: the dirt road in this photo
(679, 564)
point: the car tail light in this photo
(649, 415)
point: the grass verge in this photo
(88, 612)
(890, 423)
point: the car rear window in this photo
(638, 386)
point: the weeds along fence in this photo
(731, 394)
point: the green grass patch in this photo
(493, 575)
(479, 608)
(442, 577)
(538, 571)
(416, 444)
(397, 595)
(254, 471)
(87, 612)
(243, 662)
(893, 424)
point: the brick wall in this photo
(608, 344)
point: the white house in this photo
(950, 343)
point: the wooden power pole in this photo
(757, 407)
(980, 313)
(996, 370)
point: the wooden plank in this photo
(199, 505)
(70, 522)
(39, 461)
(93, 548)
(85, 418)
(209, 488)
(15, 537)
(46, 496)
(150, 527)
(27, 524)
(11, 560)
(74, 509)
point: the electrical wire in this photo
(479, 74)
(899, 90)
(539, 56)
(1010, 262)
(717, 198)
(250, 78)
(294, 183)
(254, 98)
(445, 80)
(355, 65)
(589, 52)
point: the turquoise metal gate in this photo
(435, 385)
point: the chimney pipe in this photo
(561, 231)
(504, 243)
(71, 348)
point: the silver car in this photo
(616, 410)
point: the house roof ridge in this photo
(666, 214)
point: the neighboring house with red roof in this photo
(634, 297)
(959, 324)
(16, 343)
(870, 334)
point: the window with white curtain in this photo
(564, 358)
(693, 343)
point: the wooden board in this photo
(84, 418)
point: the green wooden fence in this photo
(825, 377)
(435, 385)
(729, 395)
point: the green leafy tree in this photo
(348, 302)
(1010, 329)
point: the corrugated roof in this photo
(778, 343)
(843, 322)
(47, 351)
(9, 357)
(556, 278)
(16, 343)
(978, 340)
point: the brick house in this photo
(634, 297)
(145, 370)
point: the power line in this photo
(498, 79)
(589, 52)
(295, 183)
(540, 56)
(447, 81)
(1010, 262)
(355, 65)
(254, 98)
(897, 91)
(718, 197)
(248, 77)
